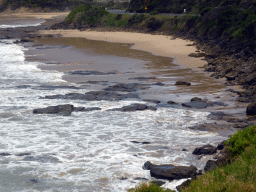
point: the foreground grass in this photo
(151, 187)
(240, 175)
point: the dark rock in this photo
(184, 150)
(210, 104)
(196, 99)
(97, 82)
(195, 104)
(131, 87)
(23, 154)
(140, 179)
(159, 183)
(83, 109)
(133, 107)
(199, 157)
(159, 84)
(205, 150)
(196, 54)
(123, 178)
(217, 115)
(182, 83)
(90, 73)
(34, 180)
(183, 185)
(59, 109)
(201, 104)
(221, 145)
(94, 96)
(210, 165)
(151, 100)
(171, 102)
(231, 76)
(135, 141)
(143, 78)
(145, 142)
(5, 154)
(252, 118)
(78, 109)
(251, 109)
(169, 171)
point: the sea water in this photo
(87, 151)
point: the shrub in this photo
(240, 140)
(153, 23)
(86, 15)
(135, 19)
(118, 16)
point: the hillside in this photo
(49, 5)
(178, 6)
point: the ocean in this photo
(86, 151)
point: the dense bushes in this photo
(177, 6)
(86, 15)
(242, 139)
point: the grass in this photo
(149, 187)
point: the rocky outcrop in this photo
(182, 83)
(251, 109)
(210, 165)
(134, 107)
(84, 72)
(169, 171)
(59, 109)
(152, 100)
(94, 96)
(205, 150)
(198, 103)
(63, 109)
(129, 87)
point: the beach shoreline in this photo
(158, 45)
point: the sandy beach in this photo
(100, 145)
(159, 45)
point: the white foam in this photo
(22, 24)
(94, 149)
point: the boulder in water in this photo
(169, 171)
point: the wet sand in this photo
(80, 54)
(159, 45)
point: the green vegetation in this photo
(86, 15)
(239, 175)
(50, 4)
(178, 6)
(151, 187)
